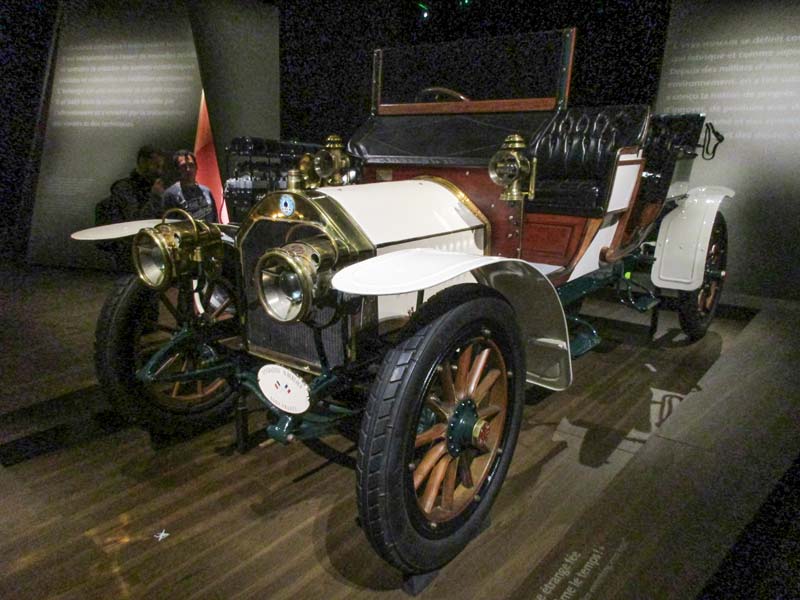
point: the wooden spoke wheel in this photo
(460, 428)
(439, 431)
(134, 324)
(194, 395)
(696, 309)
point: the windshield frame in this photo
(559, 98)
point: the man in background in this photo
(186, 193)
(132, 198)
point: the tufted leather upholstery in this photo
(575, 154)
(667, 135)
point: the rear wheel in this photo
(136, 322)
(696, 309)
(438, 434)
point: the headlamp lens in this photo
(151, 260)
(283, 290)
(290, 286)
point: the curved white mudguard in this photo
(525, 286)
(683, 239)
(115, 230)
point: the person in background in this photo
(132, 198)
(186, 193)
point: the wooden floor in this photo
(85, 497)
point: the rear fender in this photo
(683, 239)
(539, 312)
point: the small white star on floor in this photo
(161, 535)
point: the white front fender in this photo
(524, 285)
(683, 239)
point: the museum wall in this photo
(237, 51)
(128, 74)
(739, 63)
(125, 75)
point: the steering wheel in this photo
(440, 94)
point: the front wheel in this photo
(696, 309)
(438, 434)
(134, 324)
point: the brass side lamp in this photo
(331, 162)
(512, 170)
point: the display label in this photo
(284, 388)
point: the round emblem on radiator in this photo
(287, 205)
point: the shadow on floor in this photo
(59, 437)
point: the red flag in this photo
(207, 166)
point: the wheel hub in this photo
(465, 429)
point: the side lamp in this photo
(331, 162)
(512, 170)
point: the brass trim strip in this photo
(349, 231)
(465, 200)
(291, 362)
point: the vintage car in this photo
(419, 278)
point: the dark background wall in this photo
(26, 35)
(237, 52)
(326, 49)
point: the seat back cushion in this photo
(576, 152)
(439, 140)
(667, 136)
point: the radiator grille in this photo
(265, 335)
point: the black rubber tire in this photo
(127, 312)
(695, 320)
(387, 503)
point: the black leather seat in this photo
(667, 137)
(575, 155)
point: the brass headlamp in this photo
(169, 250)
(331, 162)
(289, 278)
(512, 170)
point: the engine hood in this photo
(368, 218)
(394, 212)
